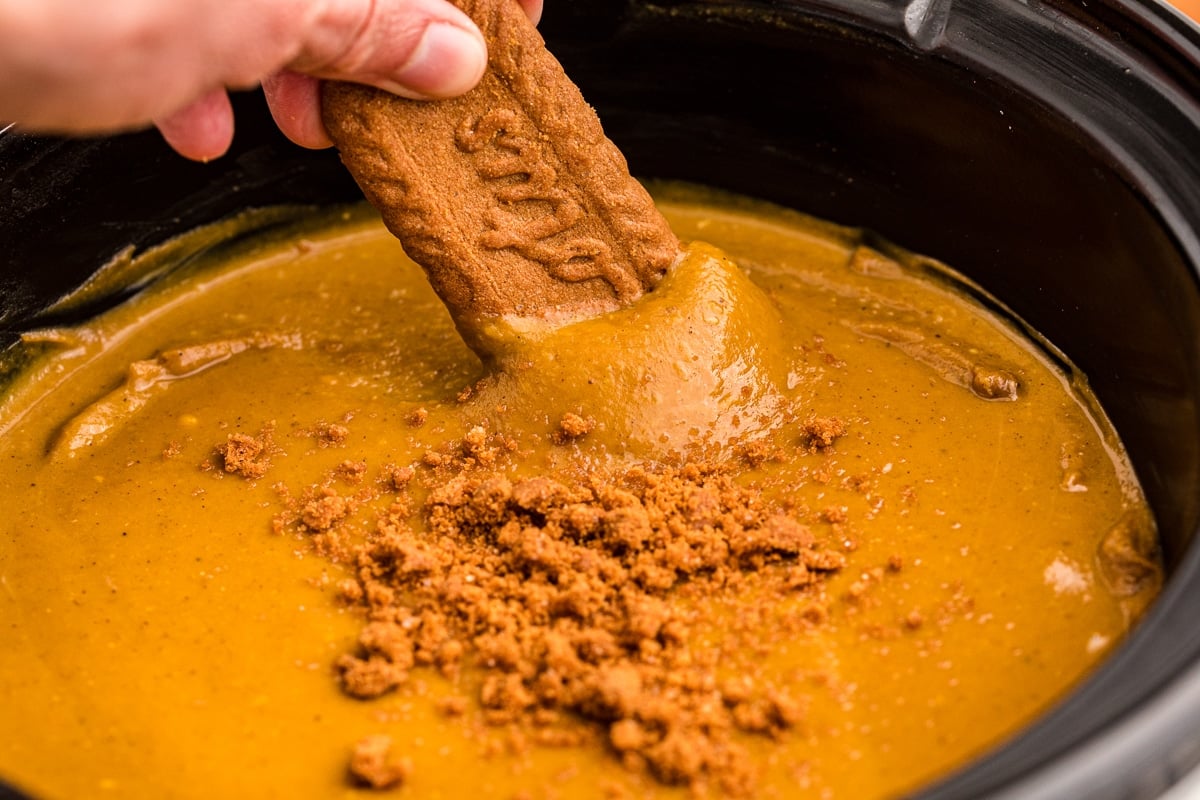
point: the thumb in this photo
(420, 49)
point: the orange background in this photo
(1189, 7)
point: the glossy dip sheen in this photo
(158, 639)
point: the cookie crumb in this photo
(374, 764)
(820, 433)
(248, 456)
(571, 427)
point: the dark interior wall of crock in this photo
(68, 205)
(861, 128)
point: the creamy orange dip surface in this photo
(189, 475)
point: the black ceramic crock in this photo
(1049, 150)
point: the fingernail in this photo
(448, 61)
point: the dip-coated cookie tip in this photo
(510, 196)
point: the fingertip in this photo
(295, 104)
(202, 130)
(533, 10)
(448, 60)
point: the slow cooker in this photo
(1048, 149)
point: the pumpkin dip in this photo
(305, 545)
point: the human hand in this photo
(73, 67)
